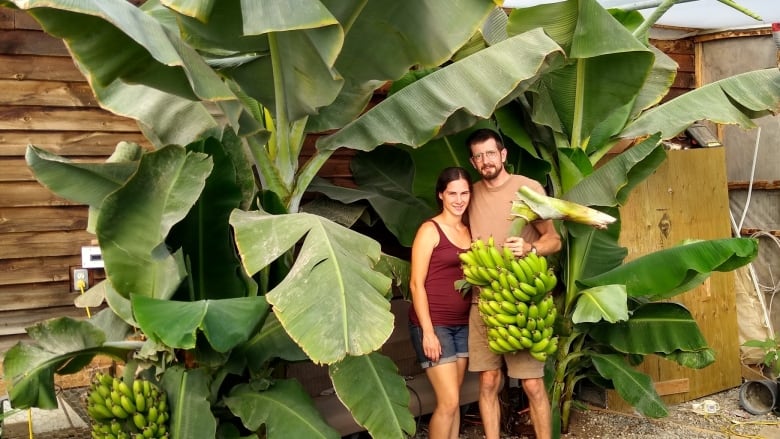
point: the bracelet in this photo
(533, 249)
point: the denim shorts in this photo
(454, 342)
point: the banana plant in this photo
(570, 116)
(225, 94)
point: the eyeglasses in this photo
(490, 155)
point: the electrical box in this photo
(91, 257)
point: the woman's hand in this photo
(431, 346)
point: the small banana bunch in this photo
(119, 411)
(514, 300)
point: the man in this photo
(488, 215)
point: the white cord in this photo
(750, 183)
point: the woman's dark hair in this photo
(447, 175)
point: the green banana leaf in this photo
(607, 67)
(270, 342)
(634, 387)
(204, 235)
(659, 327)
(188, 400)
(87, 183)
(666, 273)
(225, 323)
(384, 180)
(135, 219)
(610, 184)
(331, 303)
(734, 100)
(379, 401)
(429, 103)
(285, 409)
(605, 302)
(62, 345)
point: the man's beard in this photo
(490, 174)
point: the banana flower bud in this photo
(530, 205)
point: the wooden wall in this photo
(44, 100)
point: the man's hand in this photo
(518, 245)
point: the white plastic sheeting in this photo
(697, 14)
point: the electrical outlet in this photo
(78, 275)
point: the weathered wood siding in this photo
(44, 100)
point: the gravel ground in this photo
(730, 421)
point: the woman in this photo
(439, 316)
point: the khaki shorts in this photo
(519, 364)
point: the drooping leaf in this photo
(331, 293)
(188, 399)
(607, 302)
(385, 180)
(87, 183)
(734, 100)
(634, 387)
(285, 409)
(657, 327)
(61, 345)
(377, 397)
(610, 184)
(429, 102)
(161, 192)
(666, 273)
(225, 323)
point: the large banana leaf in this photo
(62, 345)
(384, 180)
(426, 105)
(607, 68)
(734, 100)
(657, 327)
(610, 184)
(379, 400)
(634, 387)
(225, 323)
(204, 235)
(331, 303)
(666, 273)
(188, 399)
(87, 183)
(135, 219)
(284, 408)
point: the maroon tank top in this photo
(447, 305)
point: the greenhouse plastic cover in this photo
(696, 14)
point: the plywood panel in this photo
(687, 198)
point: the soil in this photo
(587, 421)
(685, 420)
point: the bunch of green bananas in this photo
(514, 299)
(121, 411)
